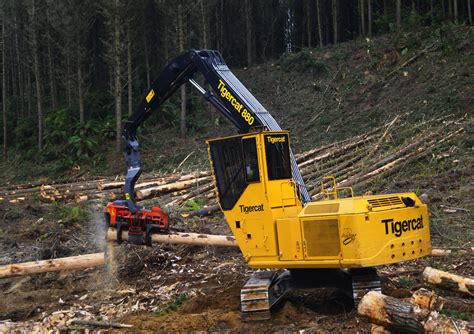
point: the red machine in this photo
(140, 225)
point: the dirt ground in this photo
(183, 288)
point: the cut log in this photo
(397, 315)
(154, 182)
(390, 312)
(166, 188)
(449, 281)
(205, 211)
(64, 263)
(427, 299)
(377, 329)
(440, 252)
(81, 198)
(182, 238)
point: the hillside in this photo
(389, 114)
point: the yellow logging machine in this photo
(298, 243)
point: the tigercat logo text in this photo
(397, 228)
(239, 107)
(251, 208)
(274, 140)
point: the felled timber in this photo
(196, 239)
(396, 315)
(167, 188)
(64, 263)
(427, 299)
(449, 281)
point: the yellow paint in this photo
(341, 232)
(239, 107)
(150, 95)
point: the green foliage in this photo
(303, 61)
(178, 300)
(71, 213)
(194, 205)
(466, 316)
(405, 281)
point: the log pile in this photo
(449, 281)
(353, 161)
(420, 314)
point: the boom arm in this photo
(233, 100)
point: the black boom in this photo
(230, 97)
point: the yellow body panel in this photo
(274, 230)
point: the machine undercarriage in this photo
(265, 289)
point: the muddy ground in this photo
(182, 288)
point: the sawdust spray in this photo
(98, 230)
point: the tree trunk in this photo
(181, 33)
(455, 5)
(36, 68)
(20, 65)
(52, 84)
(369, 16)
(309, 23)
(399, 14)
(469, 11)
(43, 266)
(28, 92)
(147, 64)
(4, 91)
(204, 25)
(80, 91)
(68, 80)
(335, 21)
(320, 26)
(450, 9)
(221, 26)
(117, 79)
(362, 16)
(129, 71)
(249, 32)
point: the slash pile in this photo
(354, 161)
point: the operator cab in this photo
(254, 169)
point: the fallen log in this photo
(205, 211)
(166, 188)
(397, 315)
(170, 178)
(427, 300)
(182, 238)
(440, 252)
(195, 193)
(390, 312)
(377, 329)
(363, 137)
(391, 166)
(449, 281)
(64, 263)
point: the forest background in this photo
(73, 71)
